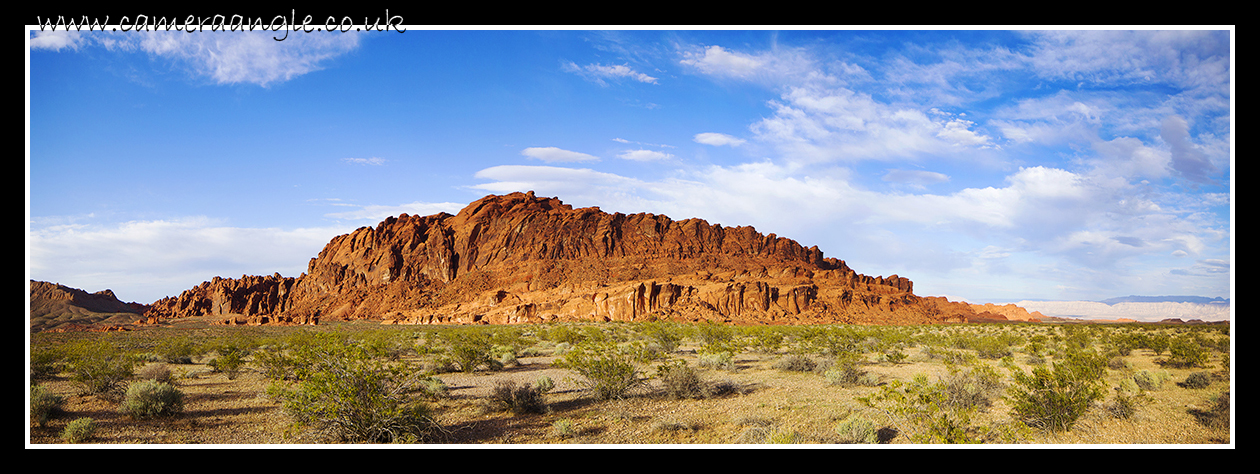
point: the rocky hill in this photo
(519, 258)
(55, 306)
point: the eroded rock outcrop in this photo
(519, 258)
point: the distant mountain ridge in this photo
(1166, 299)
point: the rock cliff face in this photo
(519, 258)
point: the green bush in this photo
(345, 394)
(1147, 380)
(717, 360)
(857, 430)
(1054, 398)
(149, 399)
(100, 368)
(664, 336)
(472, 349)
(44, 404)
(922, 410)
(230, 360)
(79, 430)
(179, 350)
(1186, 352)
(606, 371)
(46, 362)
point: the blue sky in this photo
(987, 166)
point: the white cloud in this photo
(56, 40)
(645, 155)
(144, 261)
(222, 57)
(597, 73)
(552, 154)
(377, 213)
(719, 61)
(365, 161)
(718, 139)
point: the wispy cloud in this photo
(552, 154)
(597, 73)
(365, 161)
(644, 155)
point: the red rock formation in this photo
(519, 258)
(1009, 312)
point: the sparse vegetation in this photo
(1054, 398)
(396, 372)
(44, 404)
(150, 398)
(79, 430)
(606, 371)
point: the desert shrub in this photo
(504, 355)
(663, 336)
(46, 362)
(347, 395)
(1053, 398)
(230, 359)
(845, 372)
(100, 368)
(680, 381)
(894, 357)
(276, 363)
(857, 429)
(922, 410)
(1122, 406)
(1186, 352)
(44, 404)
(795, 363)
(606, 371)
(1117, 363)
(79, 430)
(180, 350)
(991, 347)
(433, 388)
(149, 399)
(544, 384)
(764, 340)
(1217, 414)
(717, 360)
(1147, 380)
(159, 372)
(563, 428)
(518, 399)
(1198, 380)
(471, 349)
(972, 388)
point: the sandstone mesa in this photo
(519, 258)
